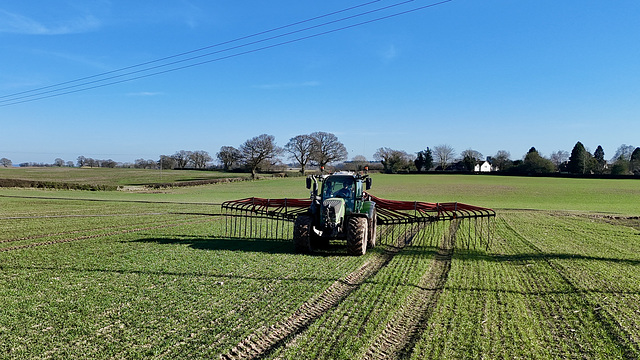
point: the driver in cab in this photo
(345, 192)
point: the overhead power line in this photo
(190, 52)
(112, 77)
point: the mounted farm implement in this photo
(340, 208)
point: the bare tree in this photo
(143, 164)
(258, 150)
(300, 149)
(228, 156)
(501, 161)
(200, 159)
(393, 160)
(327, 149)
(559, 157)
(359, 162)
(58, 162)
(623, 153)
(444, 155)
(109, 163)
(82, 161)
(5, 162)
(167, 162)
(470, 158)
(183, 158)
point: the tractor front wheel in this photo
(357, 235)
(302, 234)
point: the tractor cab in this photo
(339, 208)
(342, 187)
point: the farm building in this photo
(483, 167)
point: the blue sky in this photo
(487, 75)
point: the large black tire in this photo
(371, 240)
(302, 234)
(357, 235)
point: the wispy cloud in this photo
(20, 24)
(76, 58)
(192, 15)
(389, 54)
(278, 86)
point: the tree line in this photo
(322, 149)
(318, 148)
(626, 161)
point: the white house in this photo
(482, 167)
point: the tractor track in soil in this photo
(94, 236)
(613, 328)
(402, 332)
(266, 340)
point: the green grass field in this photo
(140, 274)
(106, 176)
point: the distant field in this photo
(140, 274)
(502, 192)
(106, 176)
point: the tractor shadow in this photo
(267, 246)
(270, 246)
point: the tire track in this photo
(265, 340)
(113, 233)
(405, 327)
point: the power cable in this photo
(191, 51)
(15, 99)
(57, 92)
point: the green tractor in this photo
(341, 210)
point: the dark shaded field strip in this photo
(113, 233)
(62, 233)
(76, 216)
(613, 328)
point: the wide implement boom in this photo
(260, 218)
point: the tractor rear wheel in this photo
(371, 240)
(302, 234)
(357, 235)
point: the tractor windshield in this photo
(341, 187)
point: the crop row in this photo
(158, 291)
(530, 296)
(549, 286)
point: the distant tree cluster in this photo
(626, 161)
(394, 161)
(261, 152)
(90, 162)
(180, 160)
(318, 148)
